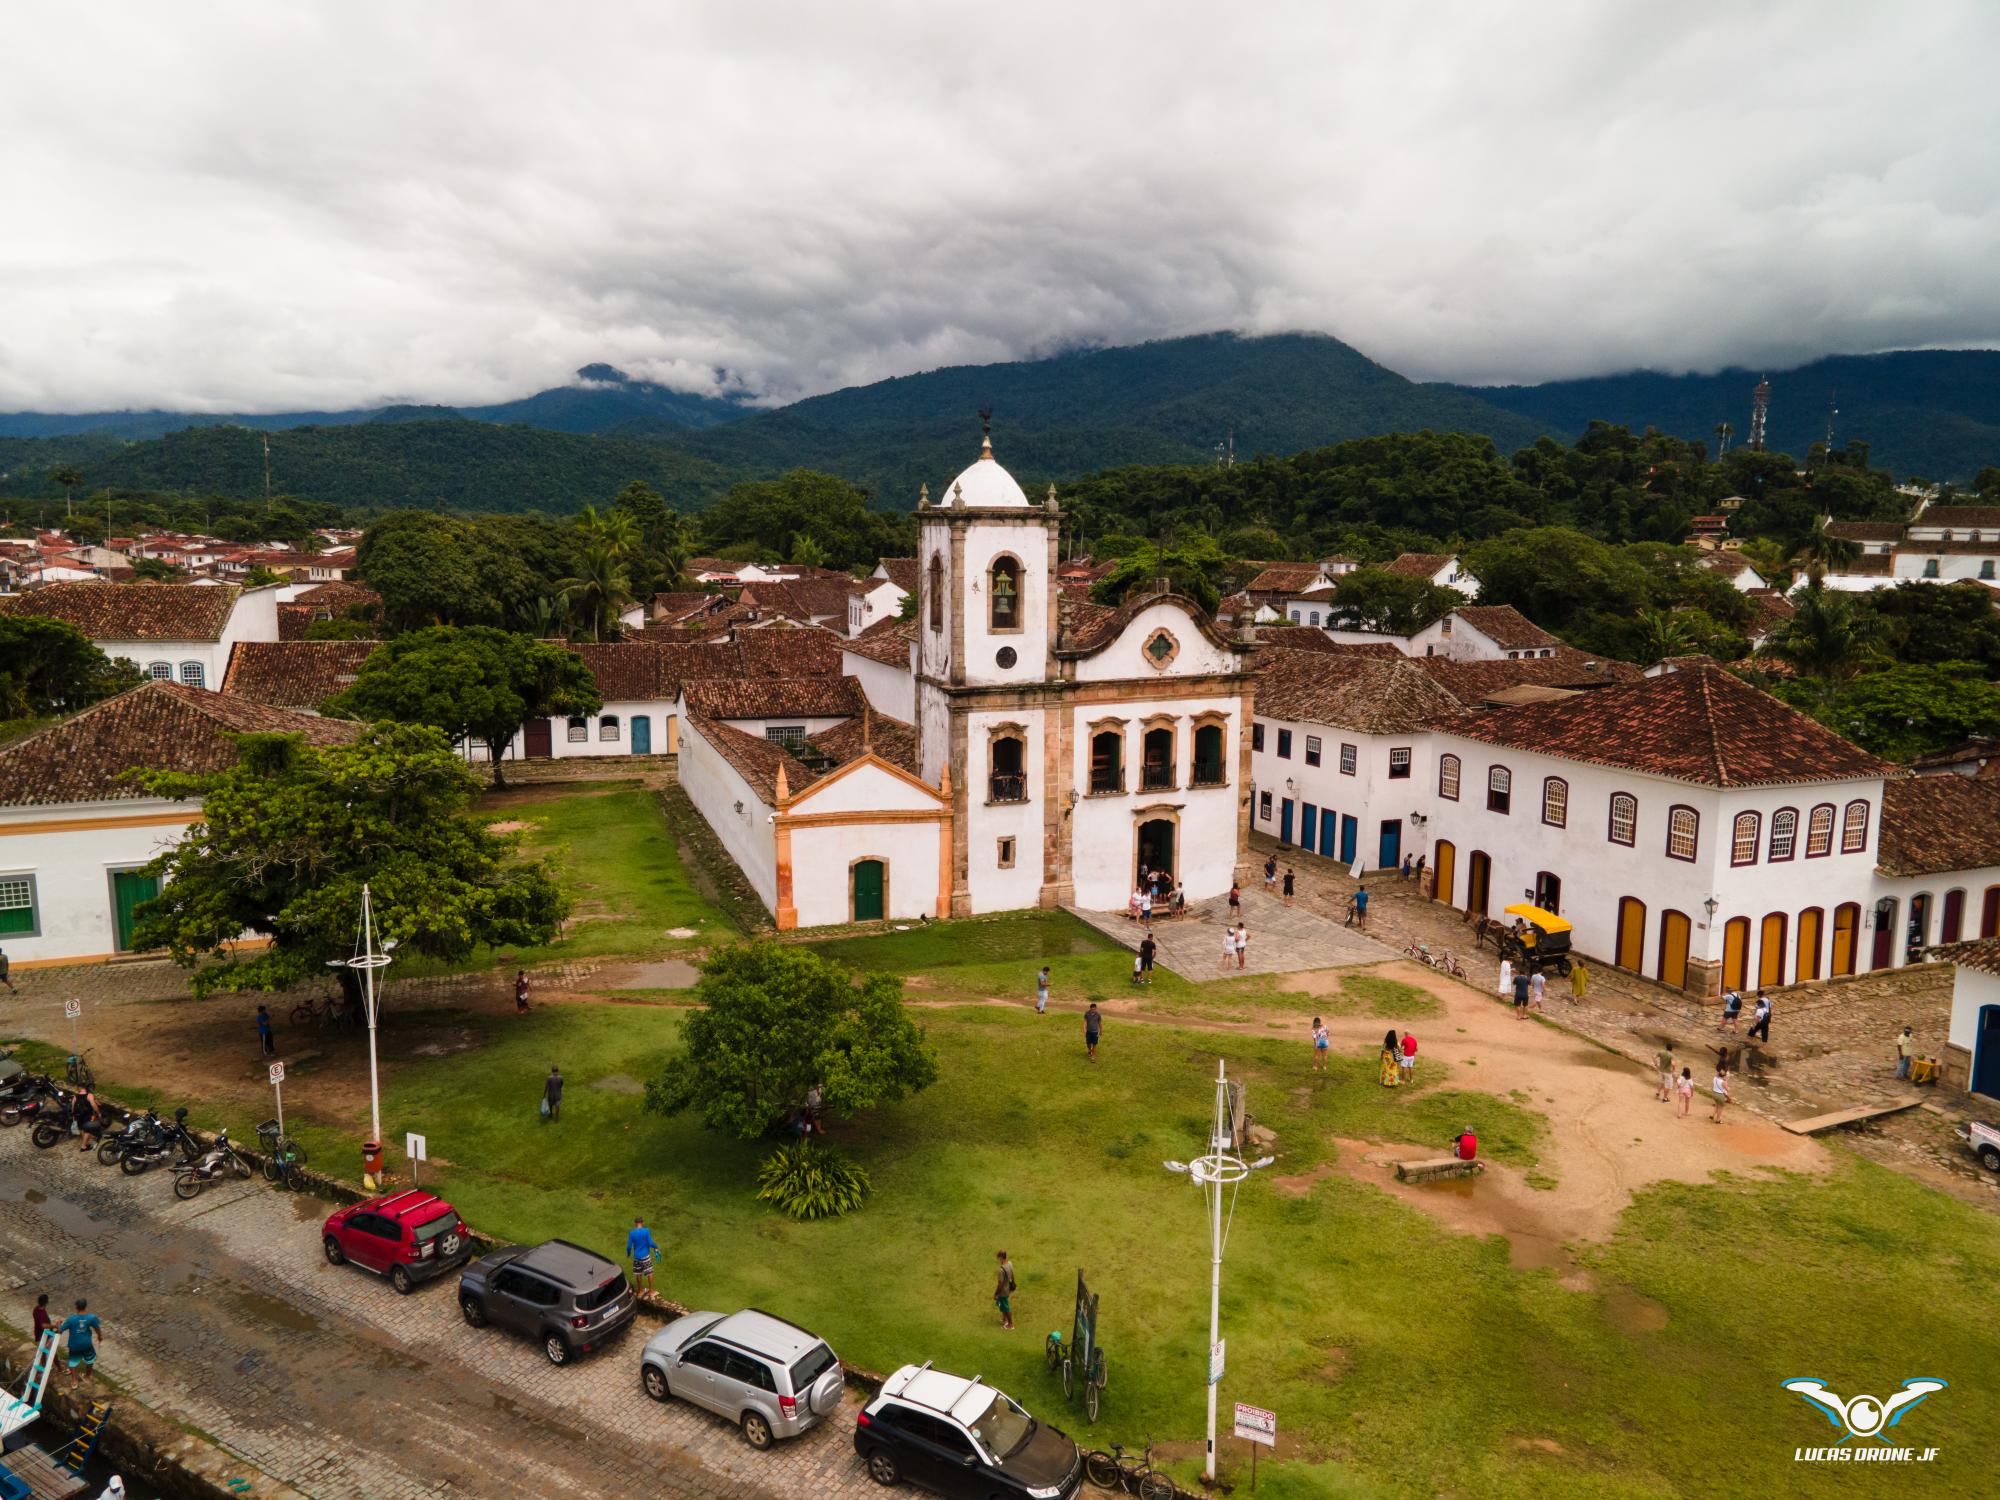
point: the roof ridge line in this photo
(1714, 742)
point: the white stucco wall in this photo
(1970, 990)
(211, 656)
(1103, 831)
(1028, 545)
(987, 822)
(1369, 796)
(716, 790)
(889, 690)
(72, 871)
(1125, 658)
(657, 711)
(823, 857)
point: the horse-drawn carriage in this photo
(1536, 939)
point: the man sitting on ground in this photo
(1465, 1146)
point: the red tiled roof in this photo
(1769, 608)
(1085, 628)
(902, 572)
(1982, 954)
(890, 646)
(1931, 824)
(669, 608)
(1866, 531)
(1700, 725)
(293, 674)
(891, 739)
(1947, 549)
(775, 698)
(336, 595)
(1959, 515)
(1283, 578)
(1364, 693)
(158, 726)
(807, 600)
(1302, 638)
(756, 759)
(1417, 564)
(1870, 565)
(133, 611)
(629, 672)
(1506, 627)
(1730, 563)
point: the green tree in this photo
(1931, 623)
(1829, 637)
(67, 476)
(1371, 599)
(1822, 552)
(597, 593)
(1663, 633)
(807, 552)
(288, 836)
(87, 529)
(643, 504)
(768, 514)
(50, 667)
(1986, 484)
(1193, 565)
(343, 629)
(261, 576)
(154, 570)
(473, 682)
(773, 1021)
(1902, 712)
(420, 566)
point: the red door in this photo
(539, 739)
(1885, 938)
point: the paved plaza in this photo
(1283, 939)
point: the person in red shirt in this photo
(1466, 1146)
(1409, 1058)
(41, 1316)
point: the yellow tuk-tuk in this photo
(1538, 939)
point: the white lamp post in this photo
(1220, 1169)
(367, 960)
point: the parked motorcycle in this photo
(38, 1092)
(135, 1131)
(221, 1159)
(55, 1120)
(159, 1144)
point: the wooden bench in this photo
(1819, 1124)
(1437, 1169)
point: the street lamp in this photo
(1212, 1173)
(367, 960)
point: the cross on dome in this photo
(984, 483)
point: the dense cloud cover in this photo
(256, 206)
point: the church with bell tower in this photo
(1081, 741)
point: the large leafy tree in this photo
(473, 682)
(288, 836)
(1829, 637)
(420, 566)
(1938, 622)
(1372, 599)
(1194, 565)
(50, 667)
(776, 1020)
(1902, 712)
(768, 516)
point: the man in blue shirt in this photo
(81, 1327)
(639, 1244)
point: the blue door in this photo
(1349, 831)
(1285, 822)
(1986, 1053)
(1329, 832)
(642, 735)
(1392, 844)
(1308, 823)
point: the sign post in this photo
(417, 1149)
(278, 1088)
(73, 1010)
(1260, 1429)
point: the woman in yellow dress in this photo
(1391, 1072)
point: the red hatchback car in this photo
(408, 1237)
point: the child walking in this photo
(1684, 1086)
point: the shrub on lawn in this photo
(811, 1182)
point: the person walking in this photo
(1520, 994)
(1409, 867)
(1228, 948)
(1235, 901)
(42, 1319)
(643, 1249)
(1361, 906)
(1003, 1291)
(1093, 1028)
(1665, 1061)
(1242, 945)
(82, 1329)
(1177, 907)
(1720, 1089)
(1391, 1060)
(552, 1088)
(1760, 1026)
(1538, 984)
(1291, 884)
(89, 1117)
(1420, 873)
(1270, 871)
(1042, 991)
(1409, 1057)
(5, 967)
(521, 993)
(1148, 951)
(1732, 1008)
(1684, 1087)
(1906, 1046)
(265, 1038)
(1578, 979)
(1321, 1040)
(1146, 906)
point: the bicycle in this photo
(284, 1158)
(1117, 1470)
(1451, 965)
(78, 1072)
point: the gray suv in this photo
(769, 1377)
(569, 1299)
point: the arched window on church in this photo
(1004, 594)
(935, 584)
(1009, 780)
(1107, 760)
(1156, 773)
(1208, 763)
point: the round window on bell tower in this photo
(1005, 656)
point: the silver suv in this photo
(769, 1377)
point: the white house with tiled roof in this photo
(1440, 568)
(75, 830)
(173, 632)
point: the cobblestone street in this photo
(221, 1313)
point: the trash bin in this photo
(371, 1158)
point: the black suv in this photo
(570, 1298)
(962, 1438)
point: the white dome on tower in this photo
(984, 483)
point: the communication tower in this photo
(1760, 410)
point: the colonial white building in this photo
(173, 632)
(1081, 742)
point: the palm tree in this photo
(1829, 637)
(1823, 552)
(67, 476)
(599, 591)
(616, 529)
(1663, 633)
(1723, 433)
(807, 551)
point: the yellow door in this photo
(1632, 934)
(1444, 872)
(1771, 952)
(1674, 931)
(1736, 953)
(1809, 935)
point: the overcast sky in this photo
(276, 206)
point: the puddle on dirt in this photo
(271, 1310)
(306, 1207)
(34, 1195)
(665, 974)
(1633, 1312)
(62, 1215)
(1609, 1062)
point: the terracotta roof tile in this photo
(1701, 725)
(774, 698)
(155, 726)
(1931, 824)
(1085, 627)
(1959, 515)
(891, 647)
(629, 672)
(755, 758)
(891, 739)
(1417, 564)
(1982, 954)
(1867, 531)
(133, 611)
(1363, 693)
(1476, 681)
(293, 674)
(807, 600)
(1302, 638)
(1284, 578)
(1506, 627)
(902, 572)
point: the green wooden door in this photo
(128, 889)
(868, 891)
